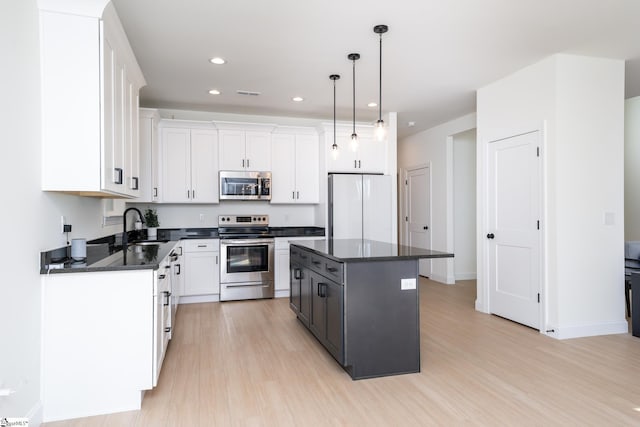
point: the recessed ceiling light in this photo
(372, 104)
(217, 60)
(298, 99)
(214, 92)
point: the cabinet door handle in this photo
(188, 194)
(167, 295)
(359, 164)
(117, 175)
(155, 191)
(322, 290)
(161, 277)
(134, 183)
(298, 195)
(332, 269)
(355, 164)
(293, 195)
(216, 259)
(316, 262)
(167, 329)
(296, 274)
(202, 246)
(178, 273)
(247, 162)
(242, 162)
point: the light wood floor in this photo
(251, 363)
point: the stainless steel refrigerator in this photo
(360, 207)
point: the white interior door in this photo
(418, 216)
(513, 235)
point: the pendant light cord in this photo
(354, 96)
(380, 91)
(334, 112)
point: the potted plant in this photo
(151, 219)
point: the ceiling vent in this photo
(247, 92)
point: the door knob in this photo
(425, 228)
(490, 236)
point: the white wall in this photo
(579, 102)
(632, 169)
(464, 205)
(434, 148)
(31, 218)
(185, 215)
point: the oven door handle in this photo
(245, 242)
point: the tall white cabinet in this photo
(189, 162)
(90, 96)
(295, 166)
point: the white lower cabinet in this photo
(201, 270)
(161, 316)
(282, 273)
(97, 342)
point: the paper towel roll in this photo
(79, 249)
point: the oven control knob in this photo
(228, 219)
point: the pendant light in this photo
(354, 136)
(380, 130)
(334, 147)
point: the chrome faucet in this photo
(124, 222)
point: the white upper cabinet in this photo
(295, 168)
(90, 96)
(244, 147)
(189, 163)
(370, 155)
(149, 156)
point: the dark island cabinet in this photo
(327, 313)
(360, 299)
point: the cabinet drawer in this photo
(334, 270)
(202, 245)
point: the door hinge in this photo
(538, 298)
(406, 182)
(538, 224)
(406, 218)
(537, 151)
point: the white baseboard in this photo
(35, 415)
(195, 299)
(466, 276)
(590, 330)
(282, 293)
(447, 280)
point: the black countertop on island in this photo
(360, 250)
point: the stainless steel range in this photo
(246, 257)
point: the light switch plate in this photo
(406, 284)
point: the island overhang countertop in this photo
(362, 250)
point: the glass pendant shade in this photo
(354, 142)
(380, 130)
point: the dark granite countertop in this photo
(106, 253)
(350, 250)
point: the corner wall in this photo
(578, 101)
(432, 147)
(632, 169)
(31, 218)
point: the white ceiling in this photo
(435, 55)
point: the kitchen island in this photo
(360, 299)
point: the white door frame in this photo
(483, 302)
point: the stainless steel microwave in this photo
(238, 185)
